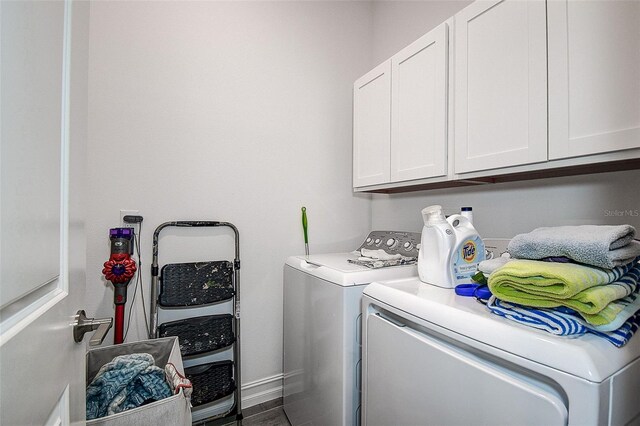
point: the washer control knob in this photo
(368, 240)
(418, 246)
(377, 241)
(407, 246)
(391, 242)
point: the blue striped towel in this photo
(562, 322)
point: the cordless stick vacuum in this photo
(120, 269)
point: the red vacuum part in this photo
(120, 268)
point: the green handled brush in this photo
(304, 229)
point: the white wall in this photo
(506, 209)
(398, 23)
(235, 111)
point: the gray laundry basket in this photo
(172, 411)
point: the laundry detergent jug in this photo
(450, 249)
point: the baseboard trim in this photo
(262, 390)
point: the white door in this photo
(500, 85)
(372, 126)
(419, 108)
(43, 125)
(594, 77)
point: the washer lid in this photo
(334, 267)
(589, 357)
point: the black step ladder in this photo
(184, 288)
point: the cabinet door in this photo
(419, 108)
(500, 85)
(372, 126)
(594, 77)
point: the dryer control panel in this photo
(393, 242)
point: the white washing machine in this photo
(431, 357)
(322, 299)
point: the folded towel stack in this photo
(594, 286)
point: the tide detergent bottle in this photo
(450, 249)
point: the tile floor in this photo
(266, 414)
(272, 417)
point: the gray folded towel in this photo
(604, 246)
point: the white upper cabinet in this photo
(535, 85)
(594, 77)
(419, 108)
(372, 126)
(500, 85)
(400, 115)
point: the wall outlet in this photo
(124, 213)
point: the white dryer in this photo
(431, 357)
(322, 299)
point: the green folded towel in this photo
(542, 280)
(596, 301)
(590, 291)
(607, 315)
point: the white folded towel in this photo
(378, 254)
(488, 266)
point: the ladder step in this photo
(198, 335)
(210, 381)
(196, 283)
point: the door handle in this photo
(82, 325)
